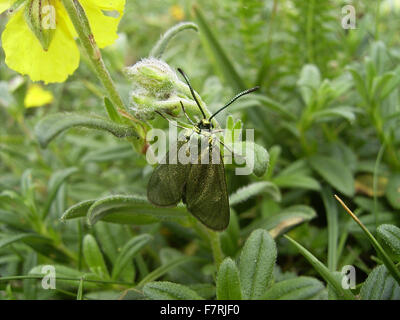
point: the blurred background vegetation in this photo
(327, 113)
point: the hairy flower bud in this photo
(156, 87)
(40, 16)
(153, 75)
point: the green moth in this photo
(200, 184)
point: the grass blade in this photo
(323, 271)
(379, 249)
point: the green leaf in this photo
(112, 111)
(37, 242)
(257, 262)
(130, 209)
(323, 271)
(393, 191)
(390, 234)
(309, 82)
(123, 209)
(112, 153)
(288, 219)
(25, 237)
(369, 221)
(252, 155)
(128, 252)
(62, 271)
(79, 295)
(333, 231)
(164, 269)
(164, 290)
(231, 236)
(94, 257)
(254, 189)
(282, 221)
(391, 85)
(370, 73)
(380, 82)
(335, 172)
(333, 227)
(380, 285)
(30, 289)
(204, 290)
(13, 220)
(261, 158)
(300, 288)
(188, 273)
(360, 85)
(78, 210)
(274, 106)
(330, 114)
(274, 154)
(228, 281)
(297, 181)
(297, 175)
(56, 181)
(51, 126)
(111, 238)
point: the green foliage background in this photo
(327, 113)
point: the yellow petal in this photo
(63, 15)
(108, 5)
(25, 55)
(37, 97)
(5, 4)
(104, 27)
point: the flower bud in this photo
(153, 75)
(156, 87)
(40, 16)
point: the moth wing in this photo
(167, 182)
(206, 195)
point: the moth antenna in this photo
(192, 91)
(234, 99)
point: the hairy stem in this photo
(82, 27)
(216, 248)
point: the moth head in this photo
(205, 124)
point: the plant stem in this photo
(25, 277)
(216, 248)
(377, 18)
(375, 182)
(82, 27)
(309, 31)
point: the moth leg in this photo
(229, 149)
(174, 124)
(186, 115)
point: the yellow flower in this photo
(27, 54)
(37, 97)
(177, 12)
